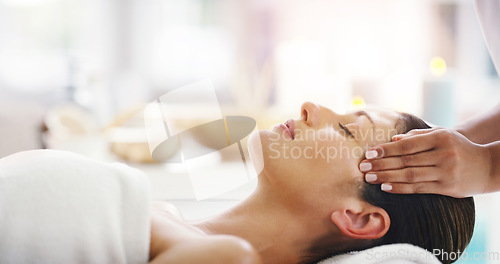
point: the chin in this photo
(255, 151)
(265, 148)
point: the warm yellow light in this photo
(357, 102)
(438, 66)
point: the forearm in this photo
(494, 156)
(482, 129)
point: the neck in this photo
(279, 233)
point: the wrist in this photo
(492, 157)
(463, 130)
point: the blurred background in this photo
(76, 74)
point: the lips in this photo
(290, 125)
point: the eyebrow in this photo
(363, 113)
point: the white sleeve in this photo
(488, 12)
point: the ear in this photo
(369, 222)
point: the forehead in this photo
(382, 116)
(384, 123)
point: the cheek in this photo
(269, 151)
(328, 183)
(322, 153)
(338, 163)
(267, 140)
(342, 151)
(255, 151)
(383, 134)
(331, 158)
(337, 146)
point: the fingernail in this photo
(365, 166)
(397, 137)
(385, 187)
(371, 177)
(370, 154)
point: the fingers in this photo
(426, 158)
(413, 142)
(422, 161)
(412, 133)
(408, 188)
(407, 175)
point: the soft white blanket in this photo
(386, 254)
(60, 207)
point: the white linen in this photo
(386, 254)
(60, 207)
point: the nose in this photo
(309, 113)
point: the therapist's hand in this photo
(437, 160)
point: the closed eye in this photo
(346, 130)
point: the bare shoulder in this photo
(173, 240)
(165, 208)
(211, 249)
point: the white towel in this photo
(60, 207)
(386, 254)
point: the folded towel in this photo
(60, 207)
(386, 254)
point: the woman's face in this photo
(321, 150)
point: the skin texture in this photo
(173, 240)
(321, 148)
(457, 162)
(316, 196)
